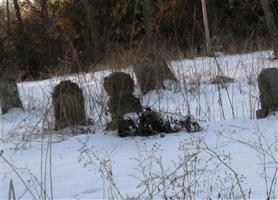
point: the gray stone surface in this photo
(268, 86)
(68, 104)
(9, 97)
(151, 73)
(119, 87)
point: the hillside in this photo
(234, 156)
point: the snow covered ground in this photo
(235, 156)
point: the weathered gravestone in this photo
(119, 87)
(152, 72)
(9, 97)
(68, 104)
(268, 86)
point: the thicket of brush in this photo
(40, 38)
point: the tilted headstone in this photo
(119, 87)
(9, 97)
(268, 86)
(151, 73)
(68, 104)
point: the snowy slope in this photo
(232, 147)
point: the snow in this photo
(87, 166)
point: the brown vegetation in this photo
(44, 37)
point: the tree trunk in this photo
(213, 17)
(8, 21)
(18, 16)
(273, 31)
(149, 40)
(7, 69)
(99, 38)
(91, 17)
(22, 53)
(48, 57)
(44, 17)
(44, 12)
(206, 25)
(24, 48)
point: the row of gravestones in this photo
(68, 100)
(151, 73)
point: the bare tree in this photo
(8, 21)
(8, 32)
(213, 16)
(273, 30)
(99, 24)
(44, 11)
(23, 44)
(147, 9)
(206, 25)
(91, 18)
(18, 16)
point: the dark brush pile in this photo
(150, 122)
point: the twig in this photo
(16, 172)
(11, 191)
(213, 153)
(272, 183)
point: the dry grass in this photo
(120, 56)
